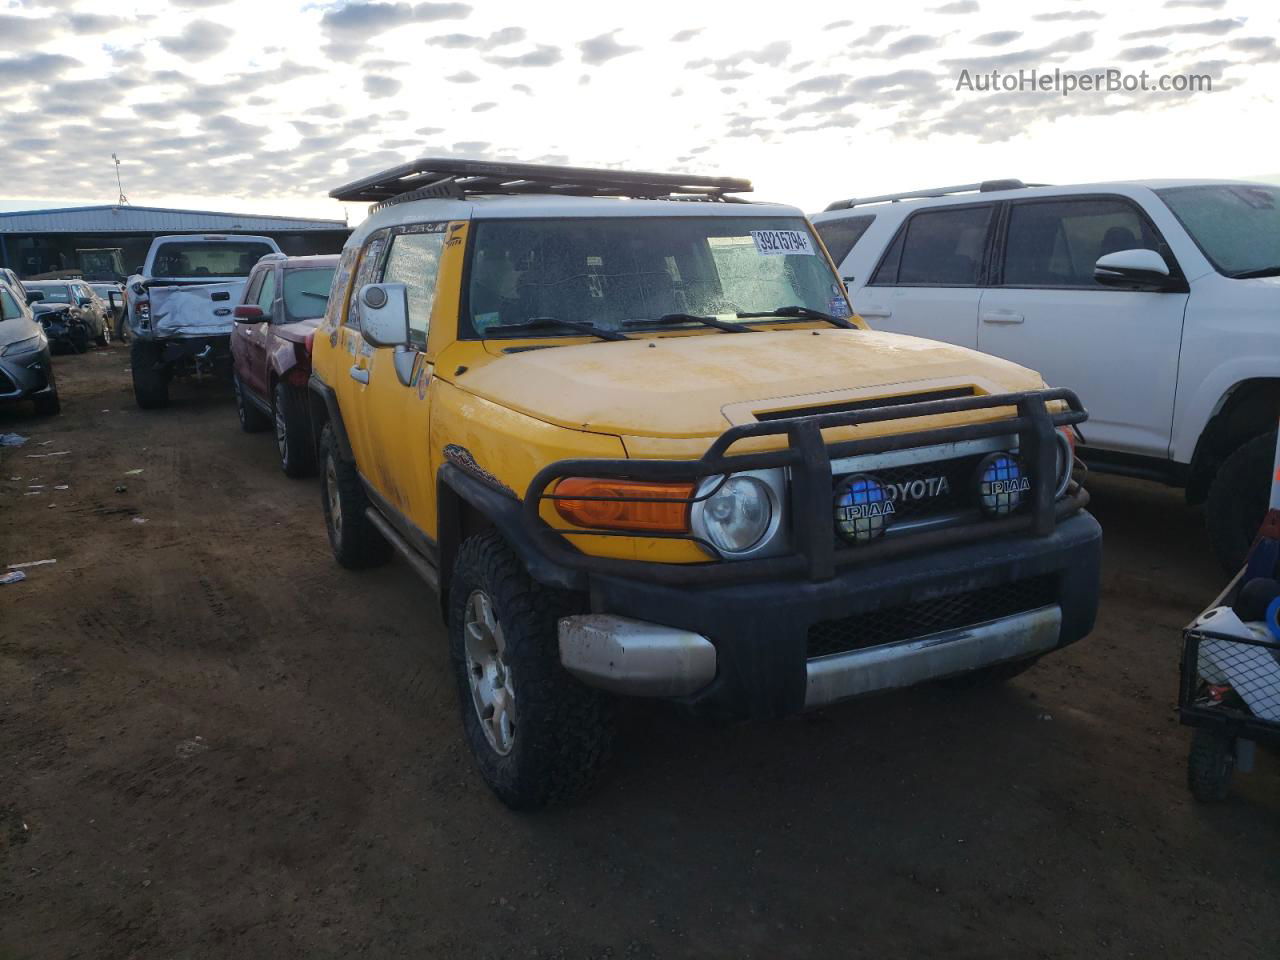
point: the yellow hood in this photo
(697, 386)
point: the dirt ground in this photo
(217, 743)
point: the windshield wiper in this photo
(1256, 274)
(543, 323)
(668, 319)
(800, 313)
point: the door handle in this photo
(1001, 316)
(359, 374)
(874, 312)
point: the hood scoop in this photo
(867, 403)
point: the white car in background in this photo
(1158, 302)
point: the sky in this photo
(264, 106)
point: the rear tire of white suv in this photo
(1238, 500)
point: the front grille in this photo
(921, 490)
(912, 620)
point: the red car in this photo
(282, 304)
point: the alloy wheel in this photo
(493, 691)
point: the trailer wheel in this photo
(150, 379)
(1210, 765)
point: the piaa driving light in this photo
(862, 508)
(1002, 484)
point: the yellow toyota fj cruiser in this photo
(627, 427)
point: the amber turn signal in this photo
(650, 507)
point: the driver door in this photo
(399, 414)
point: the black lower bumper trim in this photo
(761, 631)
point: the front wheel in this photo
(47, 404)
(1238, 500)
(537, 735)
(293, 431)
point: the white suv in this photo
(1158, 302)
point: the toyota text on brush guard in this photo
(627, 427)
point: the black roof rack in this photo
(451, 177)
(986, 186)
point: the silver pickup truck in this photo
(180, 305)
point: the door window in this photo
(268, 292)
(1056, 243)
(365, 273)
(938, 248)
(8, 306)
(841, 235)
(414, 260)
(255, 284)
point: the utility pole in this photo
(123, 201)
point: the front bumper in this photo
(24, 375)
(770, 655)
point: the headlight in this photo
(29, 345)
(740, 517)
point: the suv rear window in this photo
(938, 248)
(841, 235)
(306, 292)
(205, 258)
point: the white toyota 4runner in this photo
(1158, 302)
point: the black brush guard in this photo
(814, 551)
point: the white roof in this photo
(1123, 187)
(538, 206)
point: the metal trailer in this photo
(1229, 689)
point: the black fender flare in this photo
(458, 492)
(329, 397)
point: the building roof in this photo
(131, 219)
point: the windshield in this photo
(306, 292)
(1236, 226)
(608, 271)
(207, 259)
(55, 293)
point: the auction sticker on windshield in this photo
(774, 243)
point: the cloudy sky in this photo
(265, 105)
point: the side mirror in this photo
(384, 314)
(34, 296)
(1127, 268)
(138, 270)
(249, 313)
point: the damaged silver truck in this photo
(181, 304)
